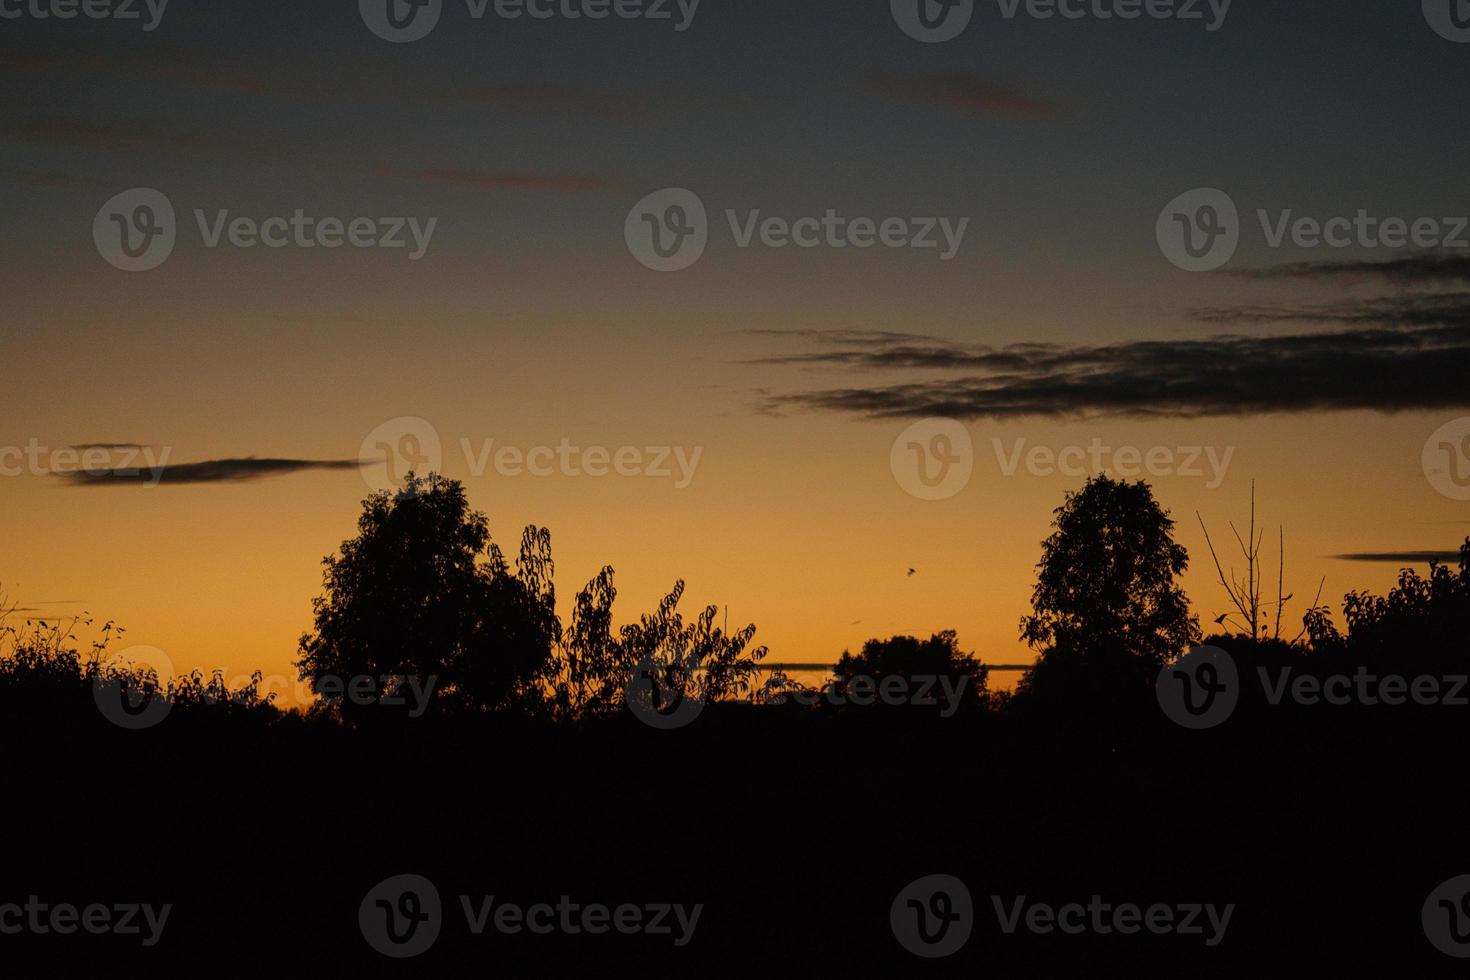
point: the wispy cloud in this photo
(962, 91)
(501, 180)
(1403, 557)
(1390, 355)
(1427, 267)
(210, 471)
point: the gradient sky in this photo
(528, 322)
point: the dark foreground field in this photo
(1327, 828)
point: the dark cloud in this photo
(501, 180)
(1389, 355)
(961, 91)
(210, 471)
(1403, 557)
(1429, 267)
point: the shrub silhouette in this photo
(46, 676)
(909, 657)
(1423, 622)
(696, 659)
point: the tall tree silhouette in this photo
(421, 591)
(1106, 579)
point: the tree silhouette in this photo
(1107, 612)
(422, 592)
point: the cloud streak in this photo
(1425, 268)
(209, 471)
(1403, 557)
(1386, 355)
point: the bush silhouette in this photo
(910, 658)
(1423, 622)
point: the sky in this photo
(770, 394)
